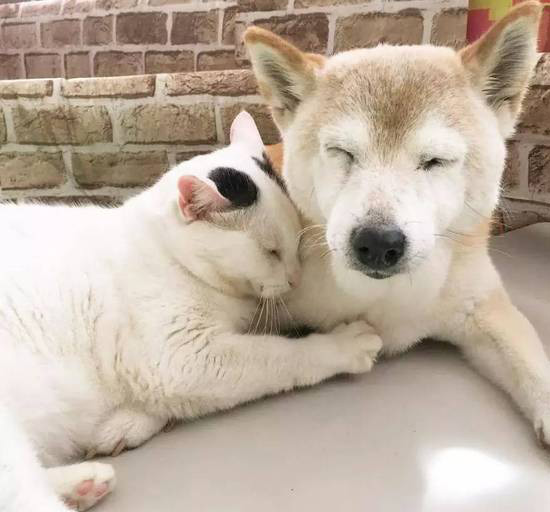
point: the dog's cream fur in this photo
(359, 131)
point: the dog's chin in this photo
(400, 269)
(376, 274)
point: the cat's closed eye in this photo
(274, 253)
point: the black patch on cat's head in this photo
(266, 166)
(235, 185)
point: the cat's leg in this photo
(82, 485)
(228, 369)
(125, 428)
(24, 486)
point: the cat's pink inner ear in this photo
(197, 198)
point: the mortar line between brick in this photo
(220, 26)
(171, 156)
(523, 156)
(68, 163)
(331, 34)
(219, 128)
(102, 148)
(427, 24)
(22, 64)
(10, 126)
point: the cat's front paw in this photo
(81, 486)
(124, 428)
(357, 345)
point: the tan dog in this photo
(395, 154)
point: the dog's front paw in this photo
(124, 428)
(358, 345)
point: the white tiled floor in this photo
(422, 432)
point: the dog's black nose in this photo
(378, 248)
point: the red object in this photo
(483, 14)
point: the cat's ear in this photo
(245, 133)
(198, 198)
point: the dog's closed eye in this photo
(430, 163)
(341, 152)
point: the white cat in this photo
(115, 321)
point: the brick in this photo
(225, 83)
(118, 63)
(87, 200)
(31, 170)
(43, 65)
(307, 31)
(122, 169)
(217, 60)
(65, 124)
(110, 87)
(26, 89)
(519, 213)
(365, 30)
(3, 132)
(228, 25)
(77, 65)
(240, 50)
(536, 112)
(169, 62)
(77, 6)
(142, 28)
(511, 176)
(110, 5)
(183, 156)
(194, 124)
(260, 113)
(262, 5)
(195, 27)
(18, 35)
(9, 11)
(60, 33)
(170, 2)
(40, 8)
(97, 30)
(539, 171)
(449, 28)
(10, 67)
(542, 71)
(301, 4)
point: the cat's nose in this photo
(294, 279)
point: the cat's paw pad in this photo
(359, 345)
(86, 484)
(124, 428)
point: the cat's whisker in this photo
(326, 253)
(260, 316)
(307, 229)
(277, 316)
(254, 317)
(290, 317)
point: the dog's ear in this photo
(501, 61)
(285, 74)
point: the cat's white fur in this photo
(115, 321)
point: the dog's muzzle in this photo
(378, 250)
